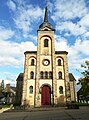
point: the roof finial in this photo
(46, 12)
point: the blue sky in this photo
(19, 21)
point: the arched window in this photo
(46, 43)
(32, 75)
(61, 90)
(31, 89)
(32, 61)
(60, 75)
(46, 75)
(50, 75)
(59, 62)
(41, 75)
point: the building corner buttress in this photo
(24, 92)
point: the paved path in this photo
(48, 114)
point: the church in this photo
(46, 78)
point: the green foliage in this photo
(84, 81)
(5, 106)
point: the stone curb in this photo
(34, 109)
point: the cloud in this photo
(80, 45)
(5, 33)
(71, 28)
(71, 18)
(78, 53)
(85, 21)
(11, 4)
(69, 9)
(87, 34)
(8, 78)
(12, 53)
(12, 56)
(26, 16)
(61, 43)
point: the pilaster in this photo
(67, 85)
(54, 81)
(37, 96)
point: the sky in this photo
(19, 22)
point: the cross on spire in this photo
(46, 12)
(46, 22)
(46, 3)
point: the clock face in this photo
(46, 62)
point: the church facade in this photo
(46, 77)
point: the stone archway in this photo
(46, 95)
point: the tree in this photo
(84, 81)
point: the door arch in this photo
(46, 95)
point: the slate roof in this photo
(46, 22)
(20, 77)
(31, 52)
(71, 77)
(61, 52)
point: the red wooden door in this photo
(46, 95)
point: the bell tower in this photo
(45, 58)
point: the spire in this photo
(46, 12)
(46, 22)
